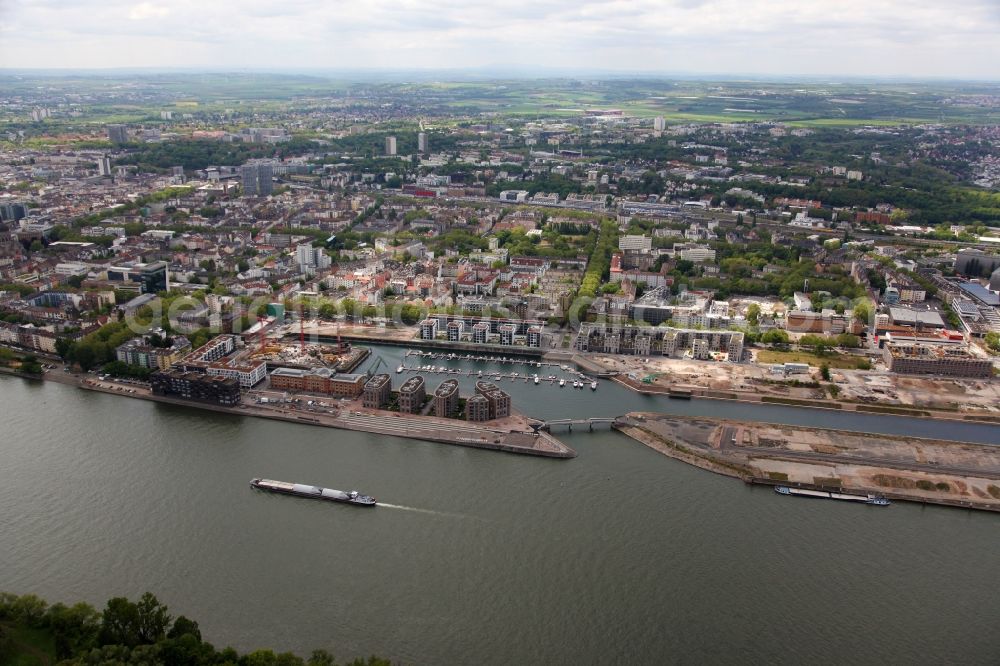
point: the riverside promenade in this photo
(511, 435)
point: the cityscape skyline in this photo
(755, 38)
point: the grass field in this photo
(837, 361)
(28, 647)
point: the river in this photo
(617, 556)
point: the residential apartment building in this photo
(377, 392)
(446, 398)
(412, 395)
(140, 352)
(659, 340)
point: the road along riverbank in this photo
(913, 469)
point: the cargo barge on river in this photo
(313, 492)
(874, 500)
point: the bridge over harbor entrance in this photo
(569, 423)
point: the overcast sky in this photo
(922, 38)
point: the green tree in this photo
(74, 629)
(992, 341)
(131, 624)
(120, 623)
(753, 314)
(182, 627)
(824, 371)
(863, 312)
(775, 336)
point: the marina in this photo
(567, 374)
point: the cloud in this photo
(785, 37)
(147, 10)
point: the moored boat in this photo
(872, 499)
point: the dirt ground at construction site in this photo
(910, 468)
(861, 386)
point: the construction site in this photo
(288, 347)
(851, 388)
(903, 468)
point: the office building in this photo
(153, 277)
(256, 180)
(635, 243)
(196, 386)
(12, 212)
(117, 134)
(149, 278)
(390, 145)
(319, 380)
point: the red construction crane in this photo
(302, 331)
(261, 321)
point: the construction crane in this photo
(262, 323)
(302, 331)
(379, 362)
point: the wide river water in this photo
(620, 555)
